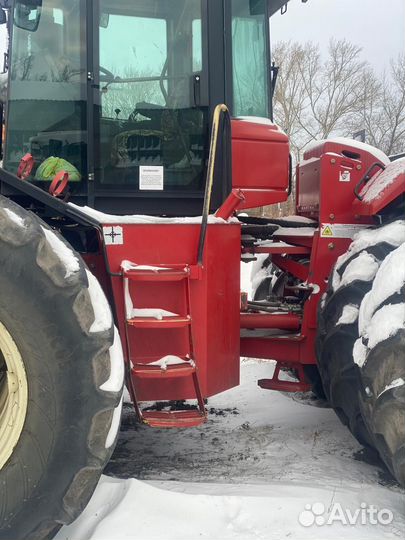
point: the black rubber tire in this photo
(74, 383)
(334, 345)
(382, 403)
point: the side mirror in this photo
(3, 16)
(5, 4)
(27, 14)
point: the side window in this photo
(47, 100)
(250, 78)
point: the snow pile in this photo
(295, 231)
(349, 315)
(395, 384)
(362, 268)
(130, 509)
(378, 320)
(14, 217)
(384, 324)
(170, 360)
(392, 234)
(152, 313)
(63, 252)
(102, 312)
(110, 219)
(116, 378)
(298, 219)
(360, 353)
(378, 154)
(389, 281)
(381, 181)
(115, 425)
(128, 265)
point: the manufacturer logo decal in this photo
(113, 235)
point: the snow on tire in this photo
(338, 326)
(58, 323)
(380, 354)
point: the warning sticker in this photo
(345, 176)
(337, 230)
(151, 178)
(327, 231)
(113, 235)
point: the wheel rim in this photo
(13, 395)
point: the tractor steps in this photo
(173, 419)
(165, 322)
(154, 369)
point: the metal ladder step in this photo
(165, 322)
(155, 273)
(149, 371)
(174, 419)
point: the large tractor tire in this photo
(339, 339)
(61, 379)
(380, 354)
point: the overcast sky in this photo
(376, 25)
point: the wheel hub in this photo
(13, 395)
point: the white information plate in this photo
(337, 230)
(151, 178)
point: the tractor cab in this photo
(124, 91)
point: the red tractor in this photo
(120, 243)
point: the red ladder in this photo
(157, 368)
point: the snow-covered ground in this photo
(247, 474)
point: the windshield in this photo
(152, 109)
(47, 95)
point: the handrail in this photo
(216, 122)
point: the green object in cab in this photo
(47, 171)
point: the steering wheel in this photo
(109, 77)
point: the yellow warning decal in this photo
(327, 231)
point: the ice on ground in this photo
(63, 252)
(110, 219)
(349, 315)
(381, 181)
(102, 311)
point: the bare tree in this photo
(382, 112)
(317, 98)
